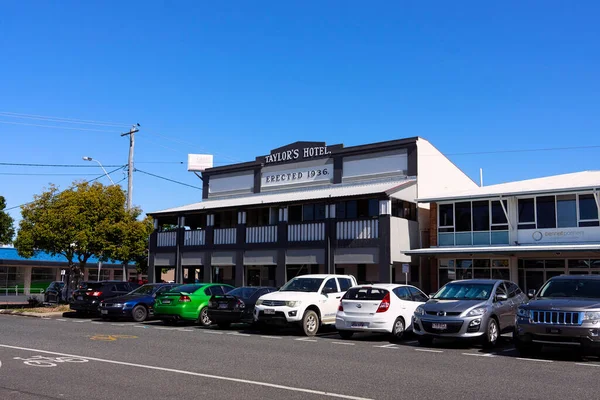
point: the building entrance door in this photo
(254, 275)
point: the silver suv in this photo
(469, 309)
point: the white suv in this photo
(307, 300)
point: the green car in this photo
(188, 302)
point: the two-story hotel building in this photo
(307, 207)
(527, 231)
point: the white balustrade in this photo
(261, 234)
(225, 236)
(306, 232)
(166, 239)
(194, 238)
(358, 229)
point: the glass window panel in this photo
(481, 238)
(363, 208)
(445, 276)
(446, 239)
(320, 212)
(500, 237)
(373, 207)
(526, 210)
(500, 263)
(463, 239)
(594, 263)
(589, 223)
(534, 279)
(351, 209)
(566, 211)
(340, 210)
(446, 213)
(498, 216)
(500, 273)
(464, 269)
(546, 212)
(462, 212)
(481, 263)
(588, 209)
(308, 212)
(579, 263)
(479, 273)
(295, 214)
(555, 264)
(531, 264)
(481, 215)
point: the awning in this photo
(404, 189)
(432, 251)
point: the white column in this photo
(385, 207)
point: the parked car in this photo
(54, 293)
(188, 302)
(565, 312)
(137, 305)
(469, 309)
(88, 296)
(236, 306)
(308, 300)
(383, 308)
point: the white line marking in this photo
(534, 359)
(272, 337)
(307, 339)
(208, 376)
(238, 334)
(140, 326)
(430, 350)
(344, 343)
(479, 355)
(388, 346)
(60, 319)
(80, 321)
(507, 350)
(186, 330)
(118, 324)
(213, 332)
(97, 323)
(588, 365)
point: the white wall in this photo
(230, 183)
(436, 174)
(404, 236)
(376, 164)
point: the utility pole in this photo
(131, 134)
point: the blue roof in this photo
(10, 253)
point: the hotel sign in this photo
(299, 151)
(559, 235)
(297, 176)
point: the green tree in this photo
(128, 241)
(7, 230)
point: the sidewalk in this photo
(18, 299)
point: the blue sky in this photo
(237, 79)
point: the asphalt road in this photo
(68, 358)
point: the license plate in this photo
(553, 331)
(223, 305)
(104, 312)
(439, 326)
(269, 311)
(79, 297)
(358, 325)
(166, 301)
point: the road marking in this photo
(534, 359)
(80, 321)
(306, 339)
(344, 343)
(97, 323)
(118, 324)
(166, 329)
(430, 350)
(186, 330)
(208, 376)
(272, 337)
(60, 319)
(213, 332)
(508, 350)
(588, 365)
(238, 334)
(111, 338)
(479, 355)
(140, 326)
(388, 346)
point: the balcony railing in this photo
(361, 229)
(306, 232)
(261, 234)
(225, 235)
(194, 238)
(166, 239)
(472, 238)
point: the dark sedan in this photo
(236, 306)
(137, 305)
(53, 293)
(89, 295)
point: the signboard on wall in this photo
(300, 151)
(297, 176)
(559, 235)
(199, 162)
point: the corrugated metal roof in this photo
(338, 190)
(555, 183)
(504, 249)
(11, 254)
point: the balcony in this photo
(261, 234)
(225, 236)
(483, 238)
(360, 229)
(307, 232)
(166, 239)
(194, 238)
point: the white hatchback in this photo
(382, 308)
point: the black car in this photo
(54, 293)
(236, 306)
(88, 296)
(137, 305)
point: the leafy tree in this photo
(128, 241)
(7, 230)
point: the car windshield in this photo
(465, 291)
(90, 285)
(571, 288)
(143, 290)
(362, 293)
(184, 289)
(243, 292)
(302, 285)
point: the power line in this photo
(56, 127)
(175, 140)
(84, 165)
(42, 174)
(61, 119)
(167, 179)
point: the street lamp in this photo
(106, 173)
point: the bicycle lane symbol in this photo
(49, 362)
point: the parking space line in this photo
(238, 334)
(388, 346)
(97, 323)
(534, 359)
(271, 337)
(80, 321)
(479, 355)
(60, 319)
(140, 326)
(307, 339)
(118, 324)
(344, 343)
(186, 330)
(430, 350)
(207, 376)
(166, 329)
(213, 332)
(588, 365)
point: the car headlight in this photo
(523, 312)
(295, 303)
(591, 316)
(476, 312)
(259, 302)
(126, 305)
(420, 311)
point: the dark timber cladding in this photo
(307, 165)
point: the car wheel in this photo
(398, 329)
(345, 334)
(203, 319)
(310, 323)
(139, 313)
(224, 325)
(425, 340)
(492, 333)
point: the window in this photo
(481, 215)
(463, 216)
(226, 219)
(404, 209)
(526, 213)
(42, 275)
(417, 295)
(446, 218)
(122, 287)
(501, 290)
(373, 208)
(257, 217)
(308, 212)
(330, 286)
(588, 210)
(546, 212)
(340, 210)
(351, 209)
(359, 293)
(294, 214)
(499, 220)
(361, 273)
(320, 211)
(345, 284)
(402, 293)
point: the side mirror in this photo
(531, 293)
(501, 297)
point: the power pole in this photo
(131, 134)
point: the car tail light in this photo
(184, 299)
(340, 307)
(240, 304)
(385, 303)
(96, 294)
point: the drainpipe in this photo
(597, 198)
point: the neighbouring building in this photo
(307, 207)
(527, 231)
(33, 275)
